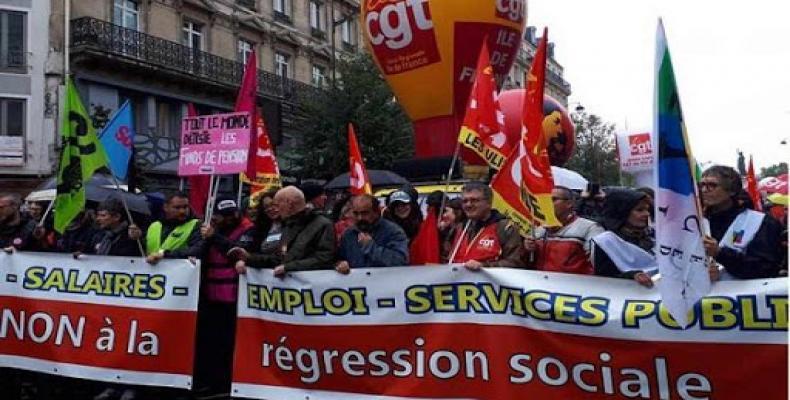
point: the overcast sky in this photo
(731, 59)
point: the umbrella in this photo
(97, 191)
(569, 179)
(377, 178)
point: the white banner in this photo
(445, 332)
(113, 319)
(635, 151)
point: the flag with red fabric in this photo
(267, 171)
(198, 184)
(424, 248)
(751, 186)
(245, 102)
(358, 175)
(483, 126)
(522, 188)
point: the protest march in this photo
(516, 275)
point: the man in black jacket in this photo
(113, 238)
(743, 241)
(307, 242)
(16, 231)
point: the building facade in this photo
(161, 55)
(27, 109)
(556, 86)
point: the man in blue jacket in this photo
(372, 241)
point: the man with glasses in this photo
(566, 248)
(16, 231)
(488, 239)
(745, 242)
(372, 241)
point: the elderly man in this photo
(177, 236)
(745, 242)
(489, 239)
(566, 248)
(16, 231)
(372, 241)
(307, 241)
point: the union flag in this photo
(358, 175)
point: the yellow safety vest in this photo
(177, 239)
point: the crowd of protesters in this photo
(603, 232)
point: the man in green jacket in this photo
(177, 236)
(307, 242)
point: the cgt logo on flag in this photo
(640, 144)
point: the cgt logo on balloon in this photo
(513, 10)
(401, 33)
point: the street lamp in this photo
(341, 21)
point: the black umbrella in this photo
(377, 177)
(102, 187)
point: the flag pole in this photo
(209, 207)
(181, 184)
(241, 189)
(49, 209)
(458, 245)
(126, 207)
(449, 178)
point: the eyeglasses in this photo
(708, 185)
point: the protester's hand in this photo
(154, 258)
(643, 279)
(241, 267)
(343, 267)
(134, 232)
(711, 246)
(206, 231)
(9, 249)
(39, 232)
(238, 253)
(279, 271)
(713, 272)
(364, 238)
(473, 265)
(192, 260)
(529, 244)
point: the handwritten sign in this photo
(214, 144)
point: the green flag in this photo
(81, 156)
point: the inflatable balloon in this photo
(557, 124)
(427, 51)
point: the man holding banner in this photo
(489, 239)
(177, 236)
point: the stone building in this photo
(556, 86)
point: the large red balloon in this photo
(557, 124)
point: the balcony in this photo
(109, 40)
(250, 4)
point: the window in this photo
(244, 51)
(282, 6)
(318, 75)
(282, 64)
(193, 36)
(126, 13)
(12, 132)
(12, 41)
(349, 30)
(316, 11)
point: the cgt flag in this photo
(118, 140)
(267, 171)
(482, 130)
(81, 156)
(358, 176)
(751, 186)
(523, 186)
(679, 221)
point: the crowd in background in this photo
(606, 232)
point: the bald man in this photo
(307, 242)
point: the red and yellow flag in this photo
(523, 186)
(751, 186)
(358, 175)
(267, 171)
(483, 127)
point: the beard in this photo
(364, 226)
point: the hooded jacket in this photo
(617, 208)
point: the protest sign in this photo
(445, 332)
(112, 319)
(635, 152)
(214, 144)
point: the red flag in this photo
(267, 171)
(198, 184)
(751, 186)
(245, 101)
(483, 129)
(424, 248)
(360, 183)
(523, 186)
